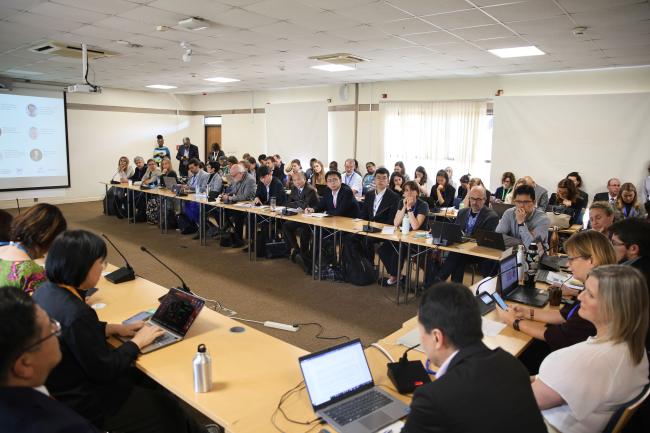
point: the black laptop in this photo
(446, 233)
(512, 291)
(499, 241)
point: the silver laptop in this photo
(175, 314)
(169, 182)
(342, 391)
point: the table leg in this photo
(202, 224)
(399, 271)
(128, 206)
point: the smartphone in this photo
(143, 315)
(499, 301)
(91, 292)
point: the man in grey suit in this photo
(540, 192)
(243, 188)
(302, 196)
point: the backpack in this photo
(357, 268)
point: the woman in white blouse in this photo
(578, 388)
(124, 171)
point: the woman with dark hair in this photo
(215, 152)
(463, 188)
(567, 201)
(422, 180)
(416, 211)
(31, 235)
(396, 183)
(575, 177)
(442, 191)
(399, 168)
(507, 185)
(92, 378)
(627, 202)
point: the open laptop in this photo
(512, 291)
(169, 182)
(342, 391)
(501, 208)
(175, 314)
(446, 233)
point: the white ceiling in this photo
(266, 44)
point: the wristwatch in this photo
(515, 324)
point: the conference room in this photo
(312, 173)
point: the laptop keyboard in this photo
(163, 339)
(358, 407)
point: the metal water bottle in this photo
(532, 258)
(202, 365)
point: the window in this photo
(436, 135)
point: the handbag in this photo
(559, 220)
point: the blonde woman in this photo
(318, 176)
(166, 170)
(556, 329)
(578, 388)
(124, 171)
(627, 202)
(521, 181)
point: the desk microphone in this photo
(407, 375)
(368, 228)
(494, 276)
(123, 274)
(184, 287)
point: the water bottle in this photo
(406, 225)
(531, 259)
(272, 202)
(521, 258)
(202, 365)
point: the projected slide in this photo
(33, 143)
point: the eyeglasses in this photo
(523, 202)
(56, 332)
(333, 180)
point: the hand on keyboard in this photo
(147, 335)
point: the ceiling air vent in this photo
(339, 58)
(70, 50)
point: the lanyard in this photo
(504, 193)
(573, 310)
(71, 290)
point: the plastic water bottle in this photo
(406, 225)
(521, 258)
(202, 365)
(272, 203)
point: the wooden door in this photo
(212, 135)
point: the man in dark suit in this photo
(380, 206)
(302, 196)
(613, 186)
(473, 383)
(29, 350)
(268, 187)
(186, 152)
(476, 216)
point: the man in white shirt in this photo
(352, 179)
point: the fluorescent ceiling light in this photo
(506, 53)
(222, 79)
(22, 72)
(161, 86)
(333, 67)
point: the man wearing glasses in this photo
(525, 221)
(29, 350)
(613, 186)
(476, 216)
(243, 188)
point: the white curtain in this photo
(436, 135)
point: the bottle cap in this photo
(201, 348)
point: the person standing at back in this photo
(186, 152)
(160, 151)
(476, 389)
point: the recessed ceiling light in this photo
(161, 86)
(222, 79)
(333, 67)
(506, 53)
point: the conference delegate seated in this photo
(416, 211)
(115, 201)
(627, 202)
(613, 187)
(471, 184)
(518, 183)
(243, 188)
(463, 187)
(578, 388)
(197, 182)
(540, 192)
(575, 177)
(476, 216)
(442, 191)
(567, 201)
(269, 188)
(368, 180)
(352, 179)
(400, 169)
(422, 179)
(30, 236)
(92, 378)
(29, 350)
(380, 206)
(554, 329)
(601, 217)
(525, 221)
(302, 196)
(166, 170)
(476, 389)
(507, 185)
(631, 241)
(139, 170)
(396, 183)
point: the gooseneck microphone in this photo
(184, 287)
(494, 276)
(123, 274)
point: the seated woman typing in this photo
(416, 211)
(555, 329)
(92, 378)
(31, 234)
(627, 202)
(578, 388)
(568, 201)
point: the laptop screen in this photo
(509, 274)
(335, 373)
(177, 311)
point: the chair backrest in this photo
(623, 414)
